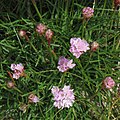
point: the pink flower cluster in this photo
(78, 47)
(87, 12)
(64, 98)
(41, 29)
(18, 70)
(64, 64)
(108, 83)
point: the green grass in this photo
(64, 17)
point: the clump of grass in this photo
(40, 60)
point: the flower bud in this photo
(41, 28)
(10, 84)
(94, 46)
(116, 3)
(33, 98)
(87, 12)
(108, 83)
(22, 33)
(49, 35)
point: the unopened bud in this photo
(49, 35)
(94, 46)
(10, 84)
(87, 12)
(22, 33)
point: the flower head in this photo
(49, 35)
(18, 70)
(87, 12)
(64, 98)
(94, 46)
(65, 64)
(108, 83)
(41, 28)
(33, 98)
(78, 47)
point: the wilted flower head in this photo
(65, 64)
(87, 12)
(49, 35)
(108, 83)
(18, 70)
(23, 107)
(41, 28)
(33, 98)
(94, 46)
(22, 33)
(64, 98)
(10, 84)
(116, 3)
(78, 46)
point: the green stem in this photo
(34, 3)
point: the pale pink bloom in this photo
(55, 90)
(49, 35)
(18, 70)
(41, 28)
(65, 64)
(94, 46)
(87, 12)
(108, 83)
(33, 98)
(64, 98)
(78, 46)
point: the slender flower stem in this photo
(34, 3)
(17, 90)
(11, 76)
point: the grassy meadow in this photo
(40, 60)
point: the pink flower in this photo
(18, 70)
(108, 83)
(78, 47)
(64, 98)
(87, 12)
(33, 98)
(94, 46)
(41, 28)
(65, 64)
(49, 35)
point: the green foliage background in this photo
(64, 17)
